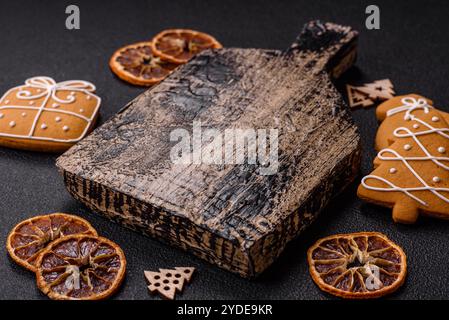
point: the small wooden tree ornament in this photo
(357, 98)
(378, 90)
(367, 94)
(167, 281)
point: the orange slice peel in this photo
(180, 45)
(80, 267)
(137, 64)
(30, 237)
(357, 266)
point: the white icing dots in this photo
(31, 103)
(72, 93)
(435, 119)
(416, 126)
(12, 124)
(24, 114)
(43, 126)
(58, 119)
(6, 102)
(407, 147)
(81, 110)
(407, 117)
(393, 170)
(1, 115)
(436, 179)
(88, 97)
(66, 128)
(441, 149)
(55, 105)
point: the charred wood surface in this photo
(229, 215)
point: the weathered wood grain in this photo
(228, 215)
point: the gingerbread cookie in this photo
(43, 115)
(411, 172)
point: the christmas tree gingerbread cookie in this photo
(43, 115)
(411, 172)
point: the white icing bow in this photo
(410, 104)
(49, 87)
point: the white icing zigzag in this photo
(48, 88)
(409, 105)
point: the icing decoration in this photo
(47, 89)
(407, 147)
(88, 97)
(6, 101)
(393, 170)
(416, 126)
(1, 115)
(12, 124)
(58, 119)
(409, 106)
(435, 119)
(43, 126)
(441, 149)
(24, 114)
(81, 110)
(31, 103)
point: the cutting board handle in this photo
(332, 46)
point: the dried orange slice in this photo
(358, 265)
(80, 267)
(136, 64)
(180, 45)
(31, 236)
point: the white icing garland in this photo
(48, 88)
(411, 104)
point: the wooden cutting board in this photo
(230, 215)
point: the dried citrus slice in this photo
(180, 45)
(358, 265)
(80, 267)
(31, 236)
(136, 64)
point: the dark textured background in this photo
(411, 49)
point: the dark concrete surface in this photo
(411, 49)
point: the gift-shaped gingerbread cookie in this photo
(411, 172)
(43, 115)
